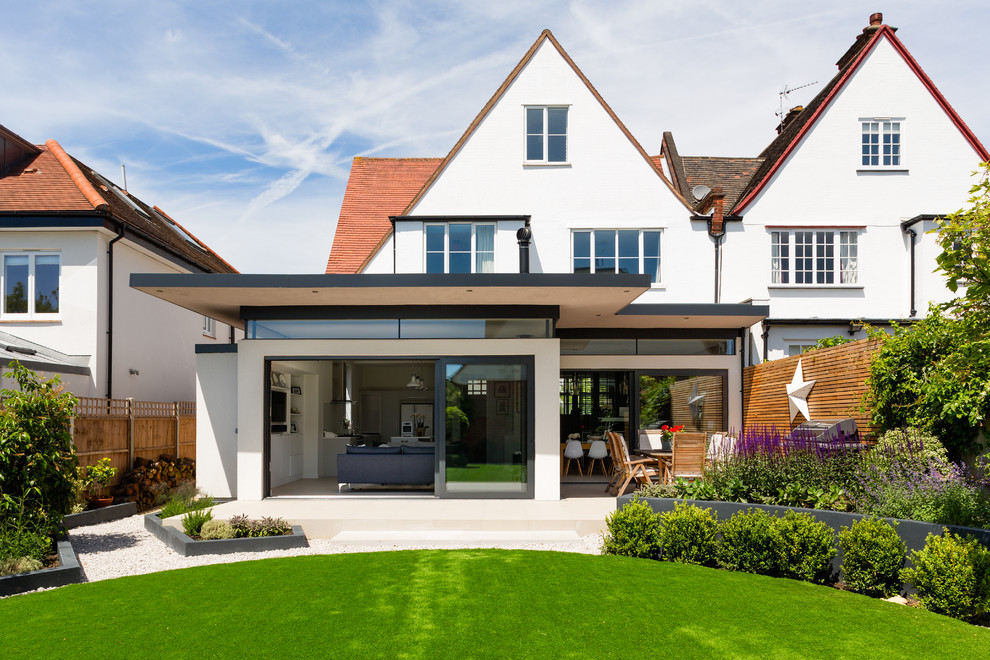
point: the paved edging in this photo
(188, 547)
(69, 572)
(97, 516)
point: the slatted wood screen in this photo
(706, 415)
(840, 373)
(123, 430)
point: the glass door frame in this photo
(439, 423)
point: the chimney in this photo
(790, 117)
(718, 212)
(876, 19)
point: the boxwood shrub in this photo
(688, 535)
(872, 557)
(632, 531)
(952, 576)
(749, 543)
(805, 548)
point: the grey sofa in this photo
(386, 466)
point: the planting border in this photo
(188, 547)
(97, 516)
(69, 572)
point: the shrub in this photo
(23, 534)
(37, 459)
(872, 557)
(658, 490)
(749, 542)
(99, 476)
(241, 525)
(633, 531)
(216, 529)
(687, 535)
(952, 576)
(15, 565)
(193, 521)
(272, 527)
(805, 548)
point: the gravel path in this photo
(123, 547)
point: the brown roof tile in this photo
(41, 184)
(732, 175)
(376, 189)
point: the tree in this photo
(964, 237)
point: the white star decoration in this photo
(797, 393)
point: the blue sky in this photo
(240, 119)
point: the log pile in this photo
(150, 478)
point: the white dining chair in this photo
(573, 451)
(598, 451)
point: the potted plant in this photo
(99, 477)
(667, 435)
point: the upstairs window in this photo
(460, 247)
(881, 143)
(546, 134)
(617, 251)
(209, 327)
(814, 257)
(30, 283)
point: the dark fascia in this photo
(920, 218)
(382, 280)
(459, 218)
(648, 333)
(215, 348)
(92, 219)
(361, 312)
(846, 321)
(54, 367)
(695, 309)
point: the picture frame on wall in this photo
(502, 389)
(501, 406)
(296, 390)
(292, 427)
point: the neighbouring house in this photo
(543, 279)
(69, 241)
(829, 225)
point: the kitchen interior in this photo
(319, 407)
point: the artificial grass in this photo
(469, 604)
(486, 472)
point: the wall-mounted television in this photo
(279, 409)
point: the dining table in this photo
(664, 458)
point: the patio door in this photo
(486, 415)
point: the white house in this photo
(477, 307)
(828, 226)
(69, 240)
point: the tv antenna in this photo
(783, 94)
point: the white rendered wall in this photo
(606, 184)
(216, 423)
(822, 184)
(251, 381)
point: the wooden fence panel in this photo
(706, 414)
(123, 429)
(840, 374)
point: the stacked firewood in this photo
(151, 478)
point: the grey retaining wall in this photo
(97, 516)
(69, 572)
(188, 547)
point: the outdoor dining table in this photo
(663, 457)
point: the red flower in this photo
(678, 429)
(664, 428)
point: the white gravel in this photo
(123, 547)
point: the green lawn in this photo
(469, 604)
(486, 472)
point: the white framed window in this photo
(546, 134)
(881, 142)
(795, 348)
(209, 327)
(808, 257)
(459, 247)
(30, 285)
(616, 251)
(477, 386)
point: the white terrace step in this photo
(451, 537)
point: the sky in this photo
(240, 118)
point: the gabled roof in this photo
(46, 181)
(376, 189)
(353, 250)
(730, 174)
(777, 151)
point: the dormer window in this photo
(460, 247)
(546, 134)
(881, 142)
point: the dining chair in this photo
(644, 470)
(688, 458)
(573, 451)
(720, 446)
(598, 451)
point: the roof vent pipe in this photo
(523, 236)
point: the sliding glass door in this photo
(488, 427)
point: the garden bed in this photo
(67, 572)
(189, 547)
(912, 532)
(97, 516)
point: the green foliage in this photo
(805, 548)
(216, 529)
(99, 475)
(654, 398)
(908, 443)
(687, 535)
(23, 534)
(964, 237)
(244, 527)
(952, 576)
(15, 565)
(172, 508)
(183, 498)
(748, 542)
(632, 531)
(37, 459)
(829, 342)
(193, 521)
(668, 491)
(872, 557)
